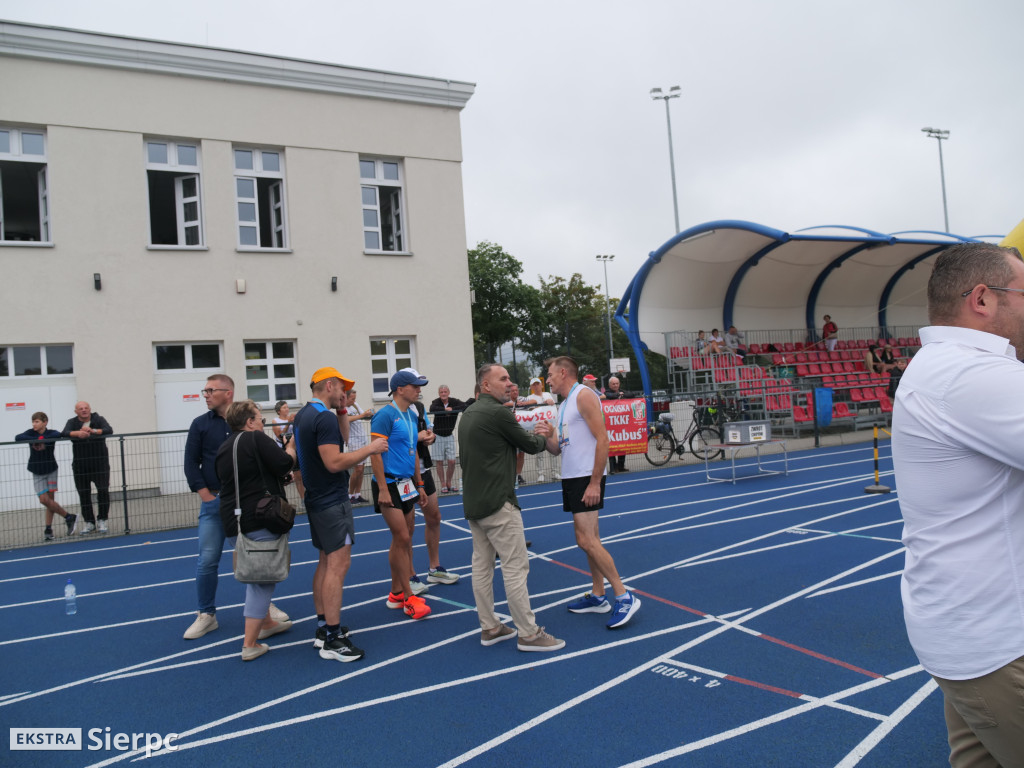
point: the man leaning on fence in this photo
(205, 436)
(957, 431)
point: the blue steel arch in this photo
(627, 314)
(890, 285)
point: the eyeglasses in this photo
(208, 392)
(965, 294)
(262, 420)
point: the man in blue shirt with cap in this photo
(397, 485)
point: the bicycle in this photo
(703, 431)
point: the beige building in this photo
(170, 211)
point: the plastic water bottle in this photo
(70, 599)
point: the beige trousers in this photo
(985, 718)
(502, 534)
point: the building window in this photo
(259, 193)
(388, 355)
(175, 209)
(383, 209)
(50, 360)
(24, 202)
(270, 371)
(197, 356)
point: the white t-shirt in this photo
(544, 398)
(958, 452)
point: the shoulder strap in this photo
(234, 462)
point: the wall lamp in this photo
(334, 284)
(96, 282)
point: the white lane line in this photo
(763, 722)
(856, 584)
(531, 664)
(723, 627)
(803, 696)
(875, 737)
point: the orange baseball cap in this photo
(322, 374)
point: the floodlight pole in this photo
(604, 259)
(673, 93)
(940, 135)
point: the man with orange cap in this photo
(324, 465)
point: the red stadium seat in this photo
(801, 415)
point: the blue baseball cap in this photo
(405, 377)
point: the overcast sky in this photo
(793, 113)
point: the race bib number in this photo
(406, 489)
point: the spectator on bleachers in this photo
(734, 342)
(716, 338)
(706, 347)
(887, 357)
(895, 375)
(873, 362)
(830, 334)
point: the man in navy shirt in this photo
(205, 436)
(324, 465)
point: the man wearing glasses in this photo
(958, 431)
(205, 436)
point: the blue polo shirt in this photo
(315, 425)
(400, 430)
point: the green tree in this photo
(502, 304)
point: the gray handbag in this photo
(257, 562)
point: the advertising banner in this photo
(625, 420)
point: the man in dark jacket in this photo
(90, 463)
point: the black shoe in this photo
(519, 479)
(71, 521)
(321, 636)
(340, 648)
(622, 469)
(47, 535)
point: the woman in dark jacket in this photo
(262, 466)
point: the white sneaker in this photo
(205, 622)
(101, 526)
(88, 528)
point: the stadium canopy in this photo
(729, 272)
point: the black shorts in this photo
(572, 494)
(405, 506)
(427, 477)
(332, 528)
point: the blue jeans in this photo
(211, 546)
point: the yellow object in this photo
(1015, 239)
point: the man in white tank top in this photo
(582, 440)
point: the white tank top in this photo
(574, 436)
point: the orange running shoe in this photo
(416, 607)
(396, 600)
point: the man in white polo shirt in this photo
(958, 452)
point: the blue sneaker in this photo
(625, 607)
(590, 604)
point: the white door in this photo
(17, 404)
(177, 404)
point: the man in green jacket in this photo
(489, 437)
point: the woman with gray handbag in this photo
(252, 467)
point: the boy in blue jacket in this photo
(43, 466)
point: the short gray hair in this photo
(960, 268)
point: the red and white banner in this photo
(625, 420)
